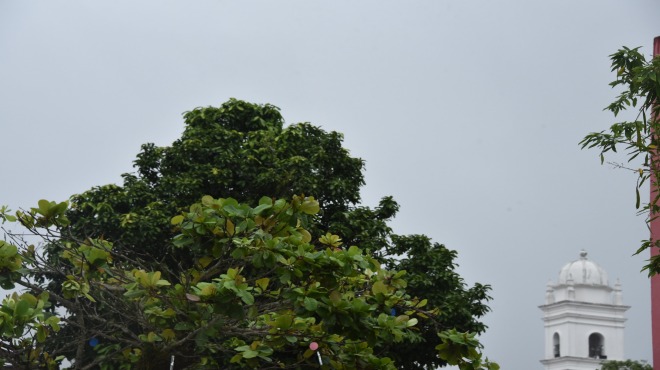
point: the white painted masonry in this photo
(583, 318)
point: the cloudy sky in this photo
(468, 112)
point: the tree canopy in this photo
(239, 245)
(639, 80)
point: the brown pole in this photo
(655, 236)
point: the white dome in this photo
(583, 271)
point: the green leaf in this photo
(310, 206)
(184, 325)
(207, 200)
(379, 288)
(245, 296)
(7, 250)
(310, 304)
(41, 334)
(262, 283)
(22, 308)
(335, 298)
(168, 334)
(283, 322)
(96, 255)
(250, 354)
(30, 299)
(260, 208)
(44, 207)
(176, 220)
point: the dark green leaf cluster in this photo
(434, 278)
(239, 150)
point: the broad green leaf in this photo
(7, 250)
(379, 288)
(168, 334)
(310, 304)
(283, 322)
(30, 299)
(41, 334)
(22, 308)
(207, 200)
(262, 283)
(176, 220)
(245, 296)
(310, 206)
(44, 207)
(250, 354)
(335, 297)
(260, 208)
(205, 261)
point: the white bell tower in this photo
(583, 318)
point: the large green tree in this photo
(639, 81)
(262, 293)
(244, 151)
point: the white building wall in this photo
(575, 311)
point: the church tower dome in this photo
(583, 318)
(583, 280)
(583, 271)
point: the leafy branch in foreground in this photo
(640, 81)
(260, 290)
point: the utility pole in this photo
(655, 236)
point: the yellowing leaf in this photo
(262, 283)
(229, 226)
(208, 290)
(330, 239)
(306, 236)
(310, 206)
(335, 297)
(176, 220)
(205, 261)
(168, 334)
(207, 200)
(379, 287)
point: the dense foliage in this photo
(640, 83)
(626, 365)
(208, 284)
(262, 293)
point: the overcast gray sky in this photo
(467, 112)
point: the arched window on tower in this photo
(555, 345)
(597, 346)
